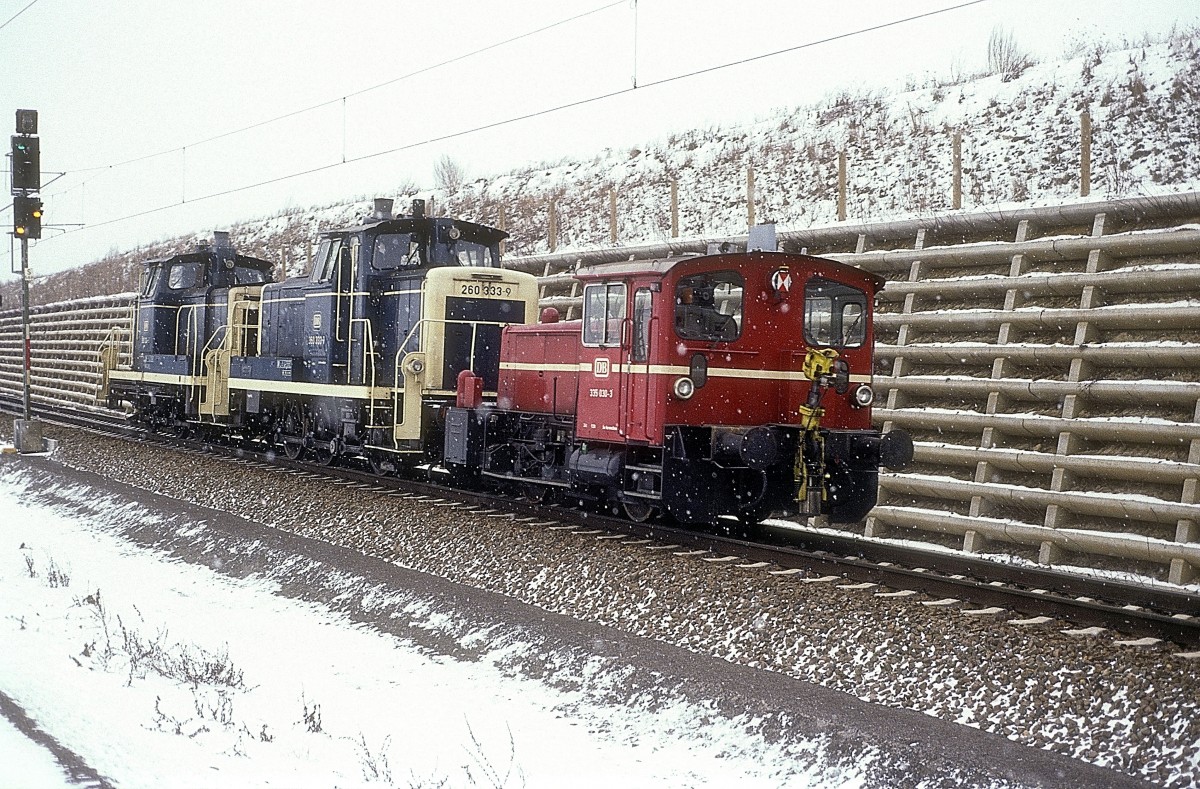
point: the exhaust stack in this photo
(383, 208)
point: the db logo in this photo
(600, 367)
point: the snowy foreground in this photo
(159, 673)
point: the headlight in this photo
(684, 388)
(864, 395)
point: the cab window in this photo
(708, 306)
(327, 256)
(244, 275)
(603, 311)
(468, 253)
(642, 312)
(394, 250)
(150, 280)
(835, 315)
(185, 275)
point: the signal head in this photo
(26, 164)
(27, 121)
(27, 217)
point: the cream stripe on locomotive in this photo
(542, 367)
(256, 385)
(324, 390)
(327, 294)
(157, 378)
(666, 369)
(338, 293)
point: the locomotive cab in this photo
(175, 306)
(359, 356)
(181, 313)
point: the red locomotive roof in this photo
(661, 266)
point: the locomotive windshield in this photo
(150, 279)
(244, 275)
(708, 306)
(395, 250)
(327, 256)
(186, 275)
(835, 315)
(468, 253)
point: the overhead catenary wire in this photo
(12, 18)
(517, 118)
(342, 99)
(182, 149)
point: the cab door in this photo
(638, 404)
(604, 356)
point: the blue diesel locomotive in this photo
(358, 358)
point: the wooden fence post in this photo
(956, 195)
(674, 208)
(553, 225)
(750, 194)
(612, 216)
(841, 199)
(501, 222)
(1085, 153)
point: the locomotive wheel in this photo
(753, 514)
(534, 492)
(292, 428)
(381, 465)
(293, 450)
(639, 511)
(322, 455)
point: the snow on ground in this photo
(25, 764)
(159, 673)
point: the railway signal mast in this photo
(26, 172)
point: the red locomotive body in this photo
(733, 384)
(541, 369)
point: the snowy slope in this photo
(1020, 145)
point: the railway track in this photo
(1143, 614)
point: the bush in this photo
(1004, 57)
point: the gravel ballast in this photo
(1129, 709)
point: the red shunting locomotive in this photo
(697, 387)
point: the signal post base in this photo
(27, 436)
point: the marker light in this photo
(684, 388)
(864, 395)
